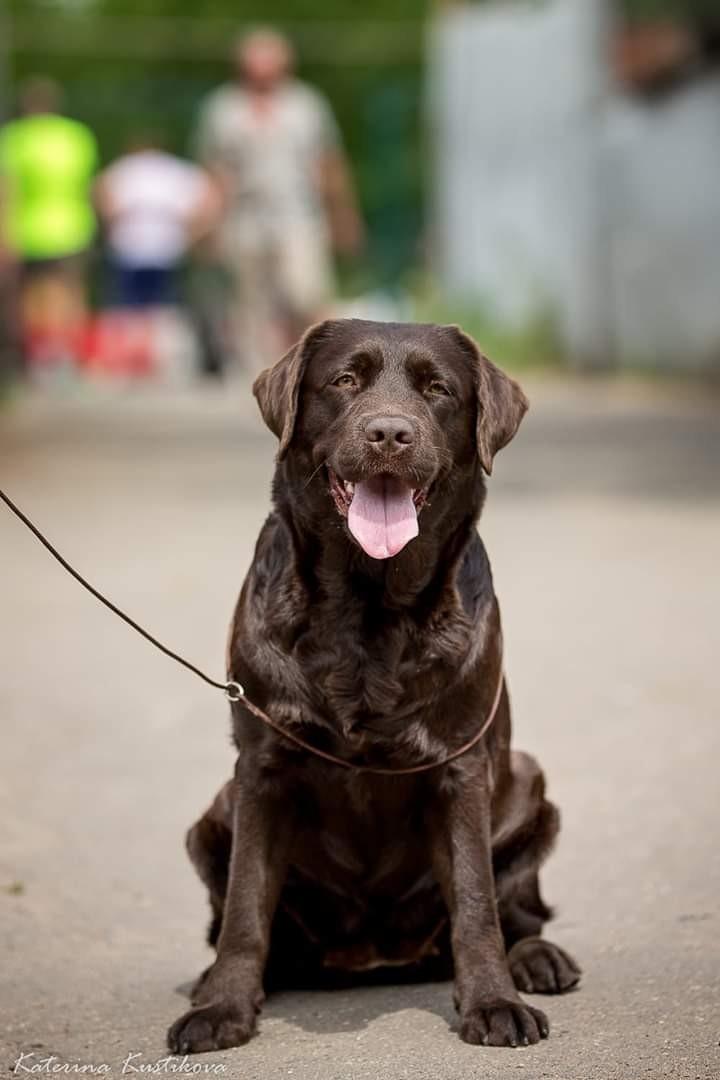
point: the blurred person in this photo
(47, 222)
(154, 206)
(274, 145)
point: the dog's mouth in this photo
(381, 511)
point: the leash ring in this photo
(234, 691)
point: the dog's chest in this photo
(363, 678)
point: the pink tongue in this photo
(382, 516)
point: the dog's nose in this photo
(390, 433)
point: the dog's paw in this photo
(503, 1023)
(539, 967)
(216, 1026)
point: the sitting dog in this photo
(368, 628)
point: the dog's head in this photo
(382, 414)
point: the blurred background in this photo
(544, 172)
(183, 188)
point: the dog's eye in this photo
(345, 380)
(437, 388)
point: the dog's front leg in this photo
(229, 999)
(491, 1010)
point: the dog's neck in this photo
(327, 554)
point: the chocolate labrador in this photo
(368, 627)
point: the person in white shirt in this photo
(154, 206)
(274, 146)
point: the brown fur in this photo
(318, 876)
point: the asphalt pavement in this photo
(603, 526)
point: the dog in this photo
(368, 627)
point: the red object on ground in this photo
(119, 343)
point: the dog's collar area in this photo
(235, 692)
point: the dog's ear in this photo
(277, 389)
(501, 404)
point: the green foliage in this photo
(683, 10)
(129, 66)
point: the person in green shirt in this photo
(47, 221)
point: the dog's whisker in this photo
(313, 474)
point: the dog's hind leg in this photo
(523, 913)
(208, 843)
(536, 965)
(524, 837)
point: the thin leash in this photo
(235, 692)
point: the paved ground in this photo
(603, 525)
